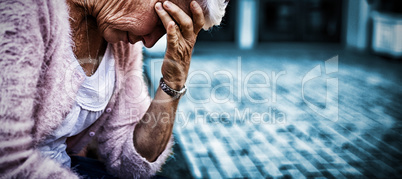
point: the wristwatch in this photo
(171, 92)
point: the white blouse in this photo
(92, 98)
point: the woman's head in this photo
(136, 20)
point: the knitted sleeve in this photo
(116, 136)
(22, 50)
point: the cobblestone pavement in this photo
(274, 113)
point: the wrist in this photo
(174, 84)
(172, 89)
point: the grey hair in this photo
(214, 12)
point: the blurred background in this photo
(292, 89)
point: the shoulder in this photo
(32, 22)
(18, 17)
(20, 34)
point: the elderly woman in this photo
(71, 72)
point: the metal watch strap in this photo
(171, 92)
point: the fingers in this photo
(163, 15)
(198, 16)
(169, 24)
(188, 26)
(171, 32)
(184, 20)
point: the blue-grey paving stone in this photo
(350, 171)
(365, 141)
(335, 173)
(194, 165)
(295, 174)
(211, 170)
(248, 168)
(293, 155)
(382, 145)
(261, 160)
(286, 167)
(225, 162)
(265, 165)
(359, 152)
(386, 147)
(214, 174)
(310, 168)
(199, 147)
(324, 155)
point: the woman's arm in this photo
(153, 132)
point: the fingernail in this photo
(158, 6)
(167, 4)
(194, 4)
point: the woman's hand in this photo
(182, 33)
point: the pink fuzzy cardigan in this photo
(38, 85)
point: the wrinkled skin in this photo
(131, 21)
(181, 39)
